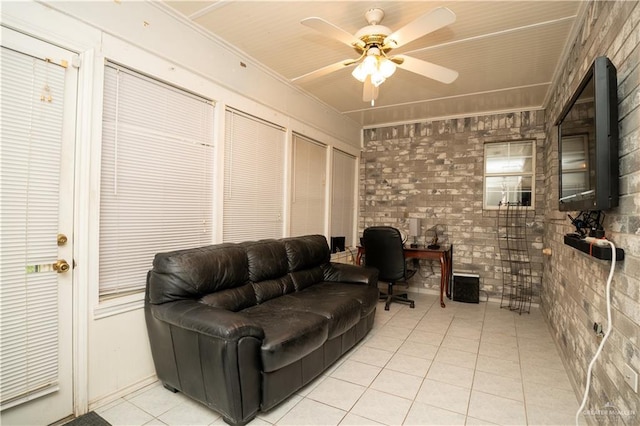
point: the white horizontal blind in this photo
(32, 117)
(308, 187)
(343, 201)
(156, 191)
(254, 179)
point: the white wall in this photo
(111, 350)
(151, 27)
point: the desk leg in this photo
(443, 278)
(450, 271)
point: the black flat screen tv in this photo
(588, 142)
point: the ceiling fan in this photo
(374, 42)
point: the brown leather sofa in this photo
(241, 327)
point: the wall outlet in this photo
(631, 377)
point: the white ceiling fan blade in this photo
(323, 71)
(328, 29)
(427, 69)
(425, 24)
(369, 91)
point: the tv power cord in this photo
(606, 334)
(590, 221)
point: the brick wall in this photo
(433, 170)
(573, 285)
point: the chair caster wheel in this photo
(412, 305)
(386, 307)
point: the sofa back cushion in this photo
(193, 273)
(267, 260)
(237, 276)
(305, 256)
(306, 252)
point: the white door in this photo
(37, 128)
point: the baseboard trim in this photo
(107, 399)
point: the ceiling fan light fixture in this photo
(386, 67)
(375, 65)
(359, 73)
(374, 42)
(370, 64)
(377, 78)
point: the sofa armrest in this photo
(210, 321)
(209, 354)
(343, 272)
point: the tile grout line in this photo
(524, 395)
(413, 401)
(475, 367)
(455, 320)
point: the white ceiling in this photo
(506, 52)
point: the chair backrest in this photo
(384, 251)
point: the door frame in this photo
(86, 116)
(45, 23)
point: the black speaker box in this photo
(466, 288)
(337, 244)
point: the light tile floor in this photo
(467, 364)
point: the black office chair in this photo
(384, 250)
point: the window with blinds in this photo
(156, 190)
(343, 200)
(308, 187)
(509, 169)
(253, 179)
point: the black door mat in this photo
(89, 419)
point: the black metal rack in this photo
(517, 286)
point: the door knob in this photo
(60, 266)
(62, 239)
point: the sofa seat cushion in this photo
(366, 296)
(341, 313)
(287, 337)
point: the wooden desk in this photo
(444, 254)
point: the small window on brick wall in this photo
(508, 173)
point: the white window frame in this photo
(259, 170)
(335, 183)
(121, 52)
(308, 187)
(510, 174)
(204, 234)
